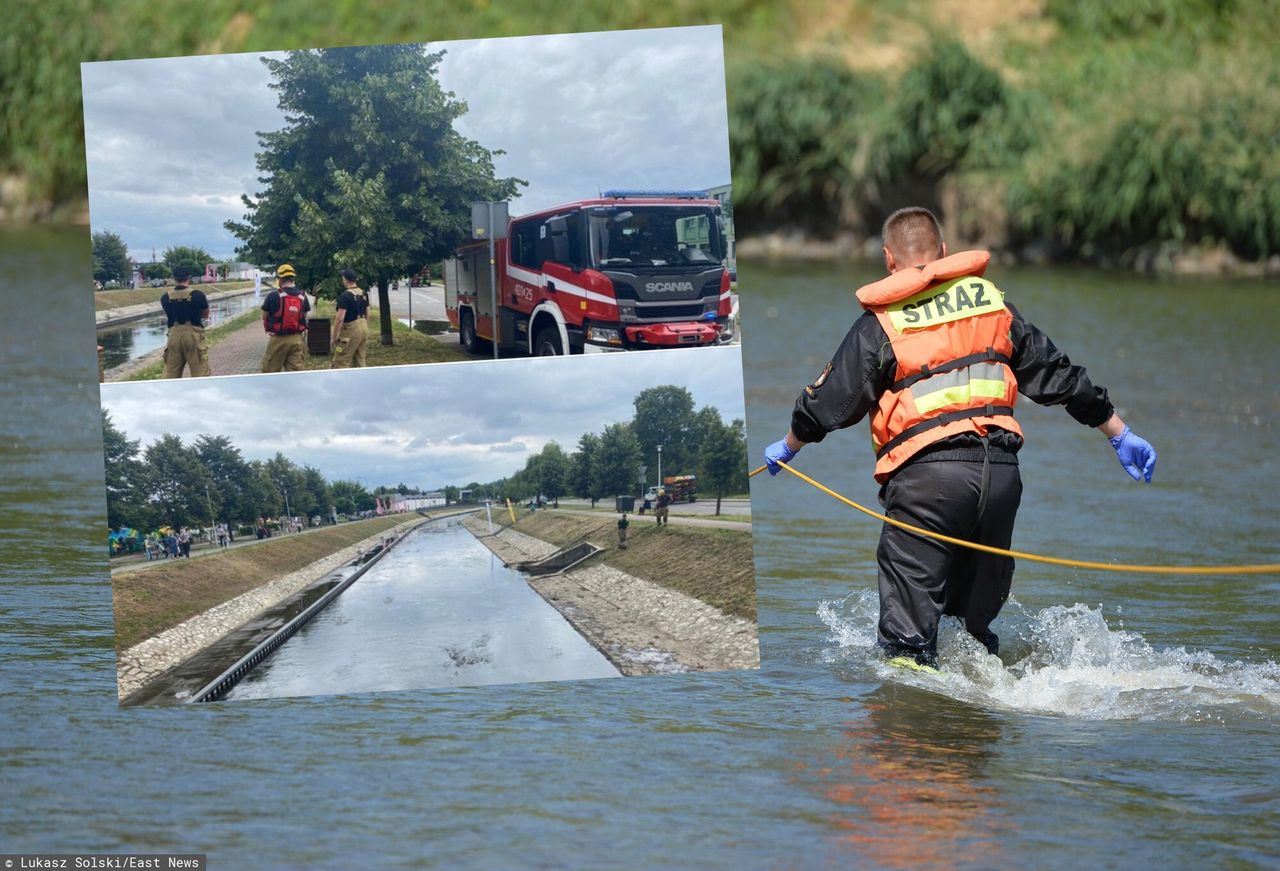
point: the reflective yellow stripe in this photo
(950, 301)
(960, 394)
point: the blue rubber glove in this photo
(1136, 455)
(778, 452)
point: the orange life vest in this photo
(949, 329)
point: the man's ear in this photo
(889, 263)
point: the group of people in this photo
(284, 317)
(169, 545)
(661, 514)
(660, 504)
(285, 312)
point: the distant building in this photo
(424, 500)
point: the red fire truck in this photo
(629, 270)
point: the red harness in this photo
(290, 317)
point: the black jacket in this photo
(864, 367)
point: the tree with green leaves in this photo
(581, 482)
(194, 259)
(317, 489)
(664, 416)
(267, 498)
(451, 494)
(722, 455)
(350, 497)
(613, 468)
(369, 171)
(229, 478)
(155, 270)
(176, 482)
(126, 479)
(111, 260)
(554, 471)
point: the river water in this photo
(440, 610)
(133, 339)
(1135, 722)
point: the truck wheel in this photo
(467, 337)
(547, 343)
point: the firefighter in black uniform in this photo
(284, 317)
(186, 309)
(937, 360)
(351, 325)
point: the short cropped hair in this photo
(912, 232)
(182, 273)
(349, 274)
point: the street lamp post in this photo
(659, 465)
(287, 513)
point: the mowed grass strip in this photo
(151, 600)
(410, 345)
(108, 299)
(712, 565)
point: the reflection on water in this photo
(438, 611)
(699, 771)
(912, 790)
(134, 339)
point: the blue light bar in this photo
(624, 194)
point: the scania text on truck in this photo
(629, 270)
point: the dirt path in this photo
(676, 520)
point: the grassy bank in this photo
(713, 565)
(109, 299)
(1121, 131)
(157, 597)
(410, 345)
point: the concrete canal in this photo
(438, 611)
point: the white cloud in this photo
(171, 141)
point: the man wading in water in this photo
(937, 360)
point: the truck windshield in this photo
(655, 236)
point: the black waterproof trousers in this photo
(922, 578)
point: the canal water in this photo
(439, 610)
(1133, 723)
(133, 339)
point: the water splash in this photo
(1064, 660)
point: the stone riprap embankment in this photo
(642, 627)
(147, 659)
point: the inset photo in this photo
(419, 203)
(415, 528)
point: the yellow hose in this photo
(1266, 568)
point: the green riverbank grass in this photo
(155, 597)
(410, 345)
(712, 565)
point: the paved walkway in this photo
(239, 353)
(675, 520)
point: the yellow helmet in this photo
(285, 271)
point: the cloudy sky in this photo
(425, 426)
(171, 141)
